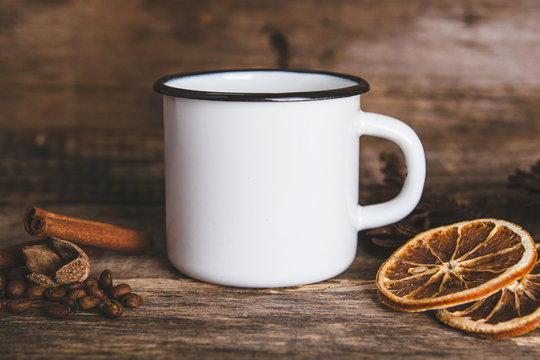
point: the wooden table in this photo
(81, 135)
(181, 317)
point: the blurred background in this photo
(79, 122)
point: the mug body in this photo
(261, 193)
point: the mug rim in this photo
(361, 86)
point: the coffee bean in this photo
(112, 309)
(19, 306)
(57, 310)
(55, 294)
(15, 289)
(96, 292)
(105, 280)
(35, 292)
(131, 300)
(89, 302)
(76, 294)
(72, 304)
(119, 290)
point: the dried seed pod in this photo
(96, 292)
(19, 306)
(112, 308)
(76, 294)
(15, 289)
(89, 302)
(57, 310)
(119, 290)
(105, 280)
(91, 282)
(56, 262)
(72, 304)
(55, 294)
(1, 308)
(35, 292)
(131, 300)
(17, 273)
(75, 285)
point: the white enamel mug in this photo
(262, 174)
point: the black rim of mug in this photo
(360, 87)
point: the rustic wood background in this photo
(81, 134)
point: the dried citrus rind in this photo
(455, 264)
(513, 310)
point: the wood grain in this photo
(110, 166)
(81, 134)
(442, 65)
(462, 75)
(181, 317)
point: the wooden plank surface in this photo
(338, 318)
(463, 75)
(81, 134)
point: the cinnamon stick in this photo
(42, 223)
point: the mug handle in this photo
(376, 215)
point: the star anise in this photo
(523, 198)
(433, 210)
(527, 185)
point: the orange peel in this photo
(513, 310)
(455, 264)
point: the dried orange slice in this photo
(455, 264)
(513, 310)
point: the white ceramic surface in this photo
(264, 193)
